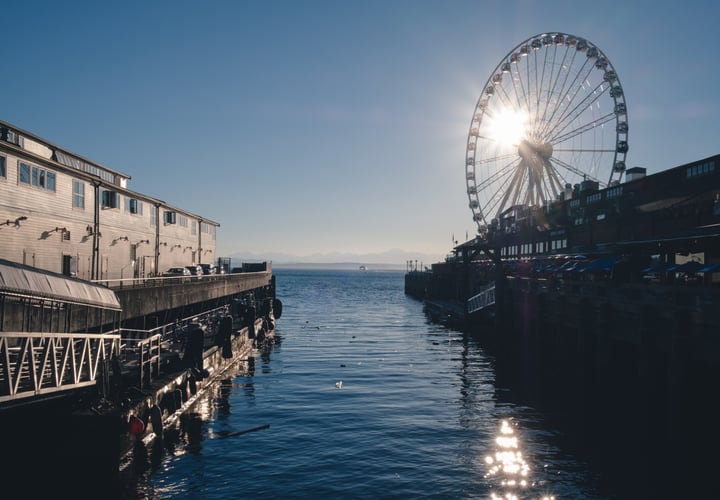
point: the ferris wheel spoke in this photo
(554, 181)
(584, 150)
(582, 129)
(562, 93)
(535, 111)
(568, 106)
(574, 170)
(486, 138)
(519, 98)
(541, 114)
(552, 85)
(567, 96)
(527, 186)
(493, 159)
(524, 84)
(515, 183)
(502, 173)
(493, 204)
(505, 98)
(567, 118)
(541, 179)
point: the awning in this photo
(25, 281)
(687, 267)
(712, 268)
(603, 264)
(658, 267)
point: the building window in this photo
(36, 176)
(103, 174)
(78, 194)
(24, 173)
(701, 169)
(110, 199)
(193, 228)
(153, 217)
(133, 206)
(183, 221)
(3, 166)
(15, 138)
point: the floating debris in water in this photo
(338, 384)
(239, 433)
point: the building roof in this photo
(25, 281)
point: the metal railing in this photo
(484, 299)
(39, 364)
(146, 347)
(156, 281)
(36, 364)
(147, 352)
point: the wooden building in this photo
(64, 213)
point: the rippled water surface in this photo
(362, 397)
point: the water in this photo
(362, 397)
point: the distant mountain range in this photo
(391, 259)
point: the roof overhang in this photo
(24, 281)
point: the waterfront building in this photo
(65, 213)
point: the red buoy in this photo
(137, 426)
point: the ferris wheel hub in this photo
(529, 150)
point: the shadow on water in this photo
(188, 434)
(147, 458)
(637, 444)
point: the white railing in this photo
(39, 364)
(156, 281)
(36, 364)
(482, 300)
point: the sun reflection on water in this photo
(508, 466)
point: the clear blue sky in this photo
(309, 127)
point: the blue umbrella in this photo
(603, 264)
(688, 267)
(710, 268)
(658, 267)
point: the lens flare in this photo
(508, 127)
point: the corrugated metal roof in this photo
(17, 279)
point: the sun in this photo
(508, 127)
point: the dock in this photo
(79, 402)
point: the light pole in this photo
(132, 263)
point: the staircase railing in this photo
(36, 364)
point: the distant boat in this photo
(363, 268)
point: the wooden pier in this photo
(77, 403)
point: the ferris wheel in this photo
(551, 116)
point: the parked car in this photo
(194, 270)
(208, 269)
(177, 271)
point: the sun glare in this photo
(508, 127)
(507, 467)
